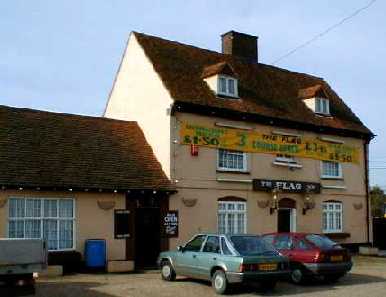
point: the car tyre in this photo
(219, 282)
(167, 271)
(297, 275)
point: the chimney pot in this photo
(240, 45)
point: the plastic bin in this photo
(95, 253)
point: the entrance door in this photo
(286, 220)
(147, 237)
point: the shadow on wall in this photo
(55, 289)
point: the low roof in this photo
(46, 149)
(264, 90)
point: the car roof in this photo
(295, 234)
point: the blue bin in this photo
(95, 253)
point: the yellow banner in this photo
(256, 142)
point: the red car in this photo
(311, 255)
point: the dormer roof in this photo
(312, 92)
(218, 68)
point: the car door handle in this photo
(214, 258)
(194, 256)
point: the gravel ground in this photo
(368, 278)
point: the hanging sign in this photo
(257, 142)
(286, 186)
(170, 223)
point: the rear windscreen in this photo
(251, 245)
(322, 241)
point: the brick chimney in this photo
(241, 45)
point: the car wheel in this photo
(219, 282)
(268, 285)
(297, 275)
(167, 271)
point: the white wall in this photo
(139, 95)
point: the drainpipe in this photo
(366, 153)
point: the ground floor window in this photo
(232, 217)
(51, 219)
(332, 217)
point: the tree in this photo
(378, 200)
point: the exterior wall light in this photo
(274, 205)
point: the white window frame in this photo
(319, 102)
(331, 215)
(235, 211)
(326, 176)
(245, 161)
(227, 80)
(41, 219)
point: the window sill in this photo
(286, 164)
(232, 171)
(337, 235)
(332, 178)
(225, 96)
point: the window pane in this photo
(330, 169)
(221, 223)
(212, 245)
(222, 83)
(318, 105)
(50, 233)
(65, 208)
(195, 244)
(16, 208)
(50, 208)
(32, 229)
(231, 223)
(231, 86)
(240, 223)
(33, 208)
(65, 234)
(16, 229)
(231, 160)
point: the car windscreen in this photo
(322, 241)
(250, 245)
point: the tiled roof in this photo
(264, 90)
(45, 149)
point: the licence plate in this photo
(268, 267)
(336, 258)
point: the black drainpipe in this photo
(366, 151)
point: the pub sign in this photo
(285, 186)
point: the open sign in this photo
(170, 223)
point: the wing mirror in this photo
(180, 248)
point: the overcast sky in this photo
(63, 55)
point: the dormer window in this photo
(221, 79)
(322, 106)
(227, 86)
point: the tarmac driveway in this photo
(368, 278)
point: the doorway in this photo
(148, 237)
(286, 215)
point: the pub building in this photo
(69, 178)
(250, 147)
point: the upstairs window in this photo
(231, 160)
(331, 170)
(227, 86)
(322, 106)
